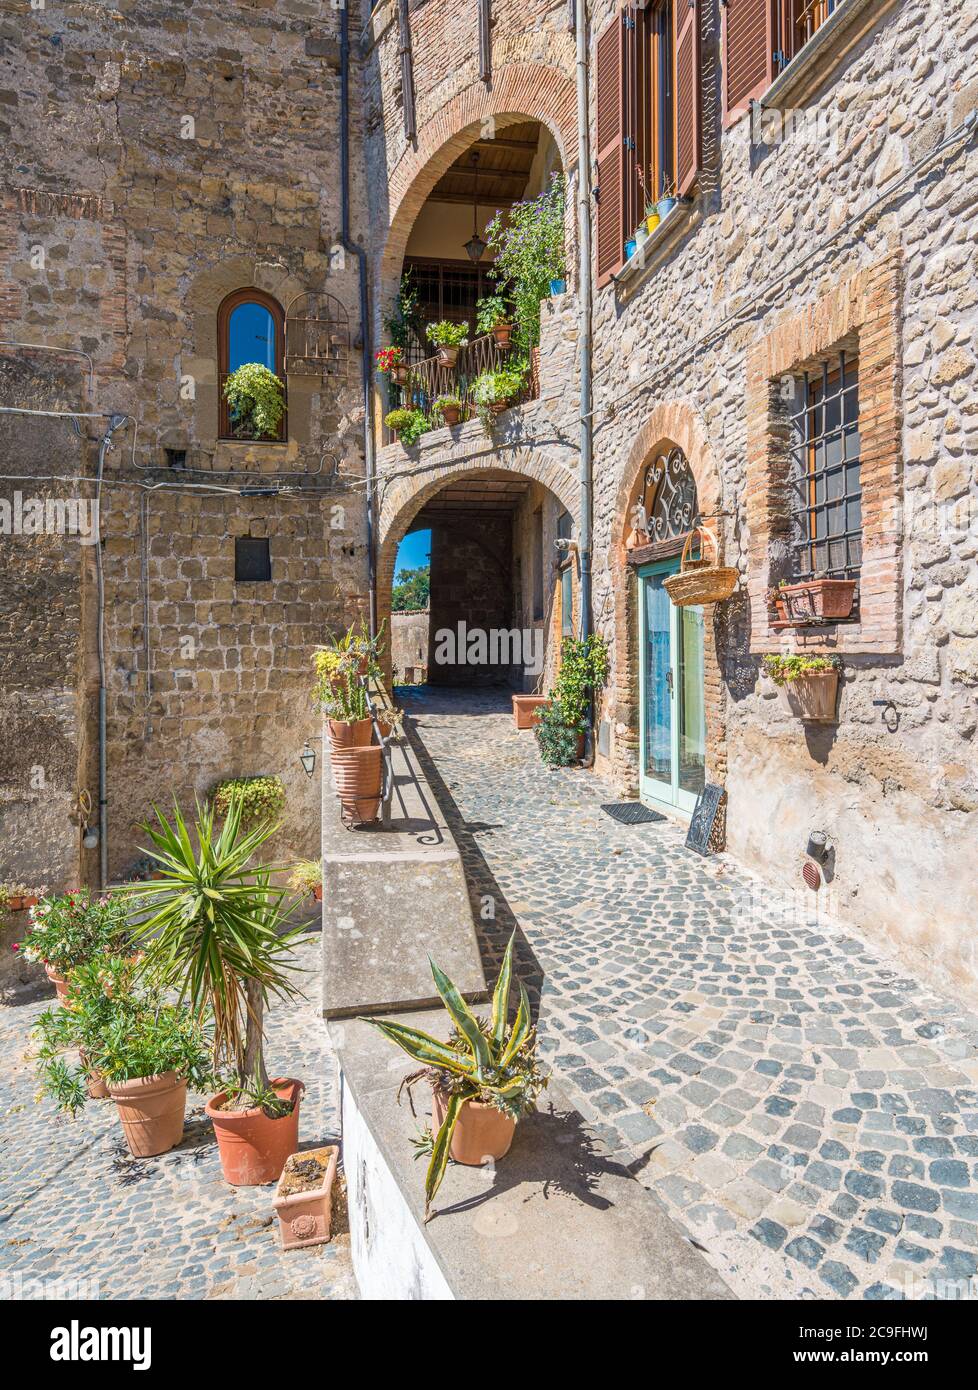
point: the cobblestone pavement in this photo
(803, 1106)
(76, 1206)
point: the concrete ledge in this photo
(558, 1218)
(829, 45)
(392, 897)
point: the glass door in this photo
(672, 714)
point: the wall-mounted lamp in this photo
(89, 837)
(308, 759)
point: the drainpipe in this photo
(584, 335)
(354, 249)
(115, 422)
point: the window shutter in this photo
(748, 54)
(609, 81)
(688, 87)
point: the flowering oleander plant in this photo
(66, 931)
(122, 1027)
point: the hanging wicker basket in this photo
(703, 580)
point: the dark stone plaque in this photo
(705, 829)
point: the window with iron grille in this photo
(826, 492)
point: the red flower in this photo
(15, 947)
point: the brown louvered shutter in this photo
(609, 74)
(748, 54)
(688, 95)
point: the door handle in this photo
(669, 680)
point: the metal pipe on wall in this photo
(366, 357)
(584, 310)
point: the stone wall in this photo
(776, 231)
(155, 160)
(410, 632)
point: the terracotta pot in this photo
(151, 1109)
(451, 414)
(637, 539)
(525, 709)
(819, 600)
(447, 356)
(317, 892)
(502, 332)
(59, 982)
(812, 697)
(482, 1133)
(29, 902)
(780, 610)
(15, 904)
(96, 1084)
(400, 375)
(358, 776)
(355, 733)
(304, 1218)
(254, 1148)
(497, 407)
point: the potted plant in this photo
(492, 316)
(18, 897)
(303, 1197)
(214, 931)
(390, 361)
(667, 200)
(560, 727)
(819, 600)
(483, 1079)
(262, 798)
(810, 683)
(447, 337)
(67, 930)
(494, 392)
(776, 607)
(133, 1044)
(408, 424)
(256, 401)
(342, 669)
(307, 877)
(449, 408)
(651, 210)
(527, 709)
(630, 248)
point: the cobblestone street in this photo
(77, 1207)
(803, 1106)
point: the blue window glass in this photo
(251, 337)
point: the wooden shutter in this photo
(688, 88)
(609, 82)
(748, 54)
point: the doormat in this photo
(632, 813)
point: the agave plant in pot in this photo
(483, 1079)
(214, 931)
(133, 1044)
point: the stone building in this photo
(812, 291)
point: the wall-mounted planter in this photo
(303, 1198)
(819, 600)
(503, 332)
(813, 697)
(447, 356)
(525, 709)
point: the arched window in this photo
(250, 328)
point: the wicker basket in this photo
(700, 581)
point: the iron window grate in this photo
(826, 502)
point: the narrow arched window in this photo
(250, 328)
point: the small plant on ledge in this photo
(810, 683)
(256, 402)
(262, 798)
(449, 408)
(447, 337)
(785, 669)
(493, 316)
(390, 360)
(307, 878)
(408, 425)
(483, 1079)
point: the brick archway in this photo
(402, 503)
(519, 92)
(671, 424)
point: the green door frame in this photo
(651, 788)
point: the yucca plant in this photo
(212, 930)
(489, 1061)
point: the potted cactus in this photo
(483, 1079)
